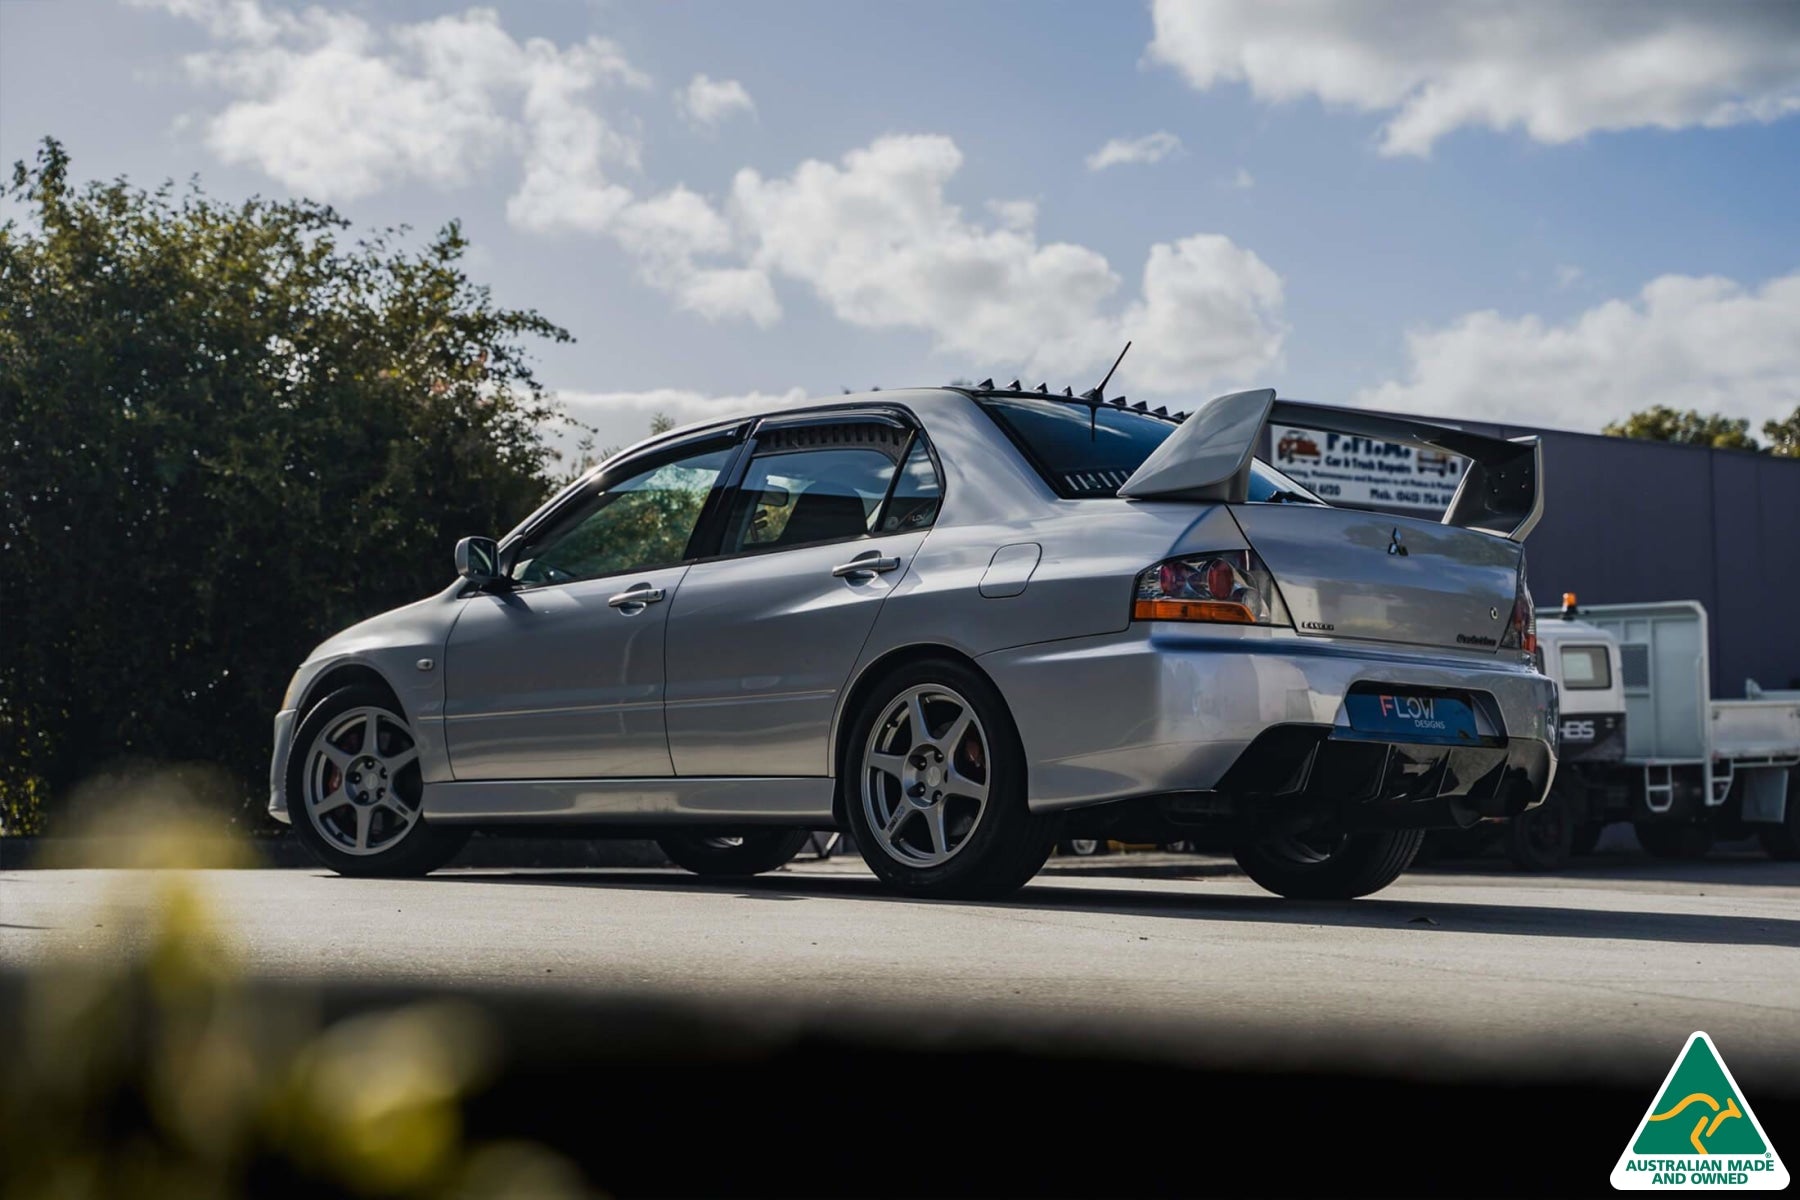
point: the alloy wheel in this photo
(925, 777)
(362, 787)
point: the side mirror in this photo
(478, 559)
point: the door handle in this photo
(869, 564)
(637, 597)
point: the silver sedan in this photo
(958, 623)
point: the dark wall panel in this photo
(1622, 523)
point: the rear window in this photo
(1586, 668)
(1085, 453)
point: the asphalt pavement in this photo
(1597, 969)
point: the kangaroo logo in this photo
(1700, 1132)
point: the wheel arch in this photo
(866, 682)
(348, 674)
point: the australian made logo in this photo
(1699, 1133)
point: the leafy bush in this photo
(226, 430)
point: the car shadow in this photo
(1741, 869)
(1045, 894)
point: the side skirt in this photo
(702, 801)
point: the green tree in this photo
(225, 431)
(1784, 434)
(1664, 424)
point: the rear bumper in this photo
(1381, 785)
(1160, 709)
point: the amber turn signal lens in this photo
(1192, 610)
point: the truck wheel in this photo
(1783, 841)
(1542, 838)
(1329, 867)
(1669, 839)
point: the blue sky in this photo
(1542, 212)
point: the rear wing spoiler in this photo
(1208, 458)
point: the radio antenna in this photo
(1099, 393)
(1097, 396)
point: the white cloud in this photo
(1557, 70)
(1151, 148)
(334, 106)
(1243, 180)
(1567, 276)
(1210, 310)
(879, 242)
(707, 102)
(622, 418)
(569, 146)
(1014, 214)
(669, 232)
(1685, 341)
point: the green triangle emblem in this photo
(1699, 1132)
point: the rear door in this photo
(1346, 573)
(824, 522)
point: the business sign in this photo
(1362, 472)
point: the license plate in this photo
(1411, 717)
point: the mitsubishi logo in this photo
(1396, 546)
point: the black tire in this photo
(1356, 864)
(1783, 841)
(1083, 847)
(1008, 843)
(1587, 837)
(1543, 838)
(750, 852)
(1674, 840)
(421, 850)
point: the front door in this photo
(762, 637)
(561, 677)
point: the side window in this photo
(642, 520)
(1634, 666)
(917, 493)
(812, 484)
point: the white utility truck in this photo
(1643, 740)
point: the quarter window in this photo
(1585, 668)
(917, 493)
(642, 520)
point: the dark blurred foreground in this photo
(143, 1060)
(662, 1098)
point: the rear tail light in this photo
(1231, 586)
(1521, 629)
